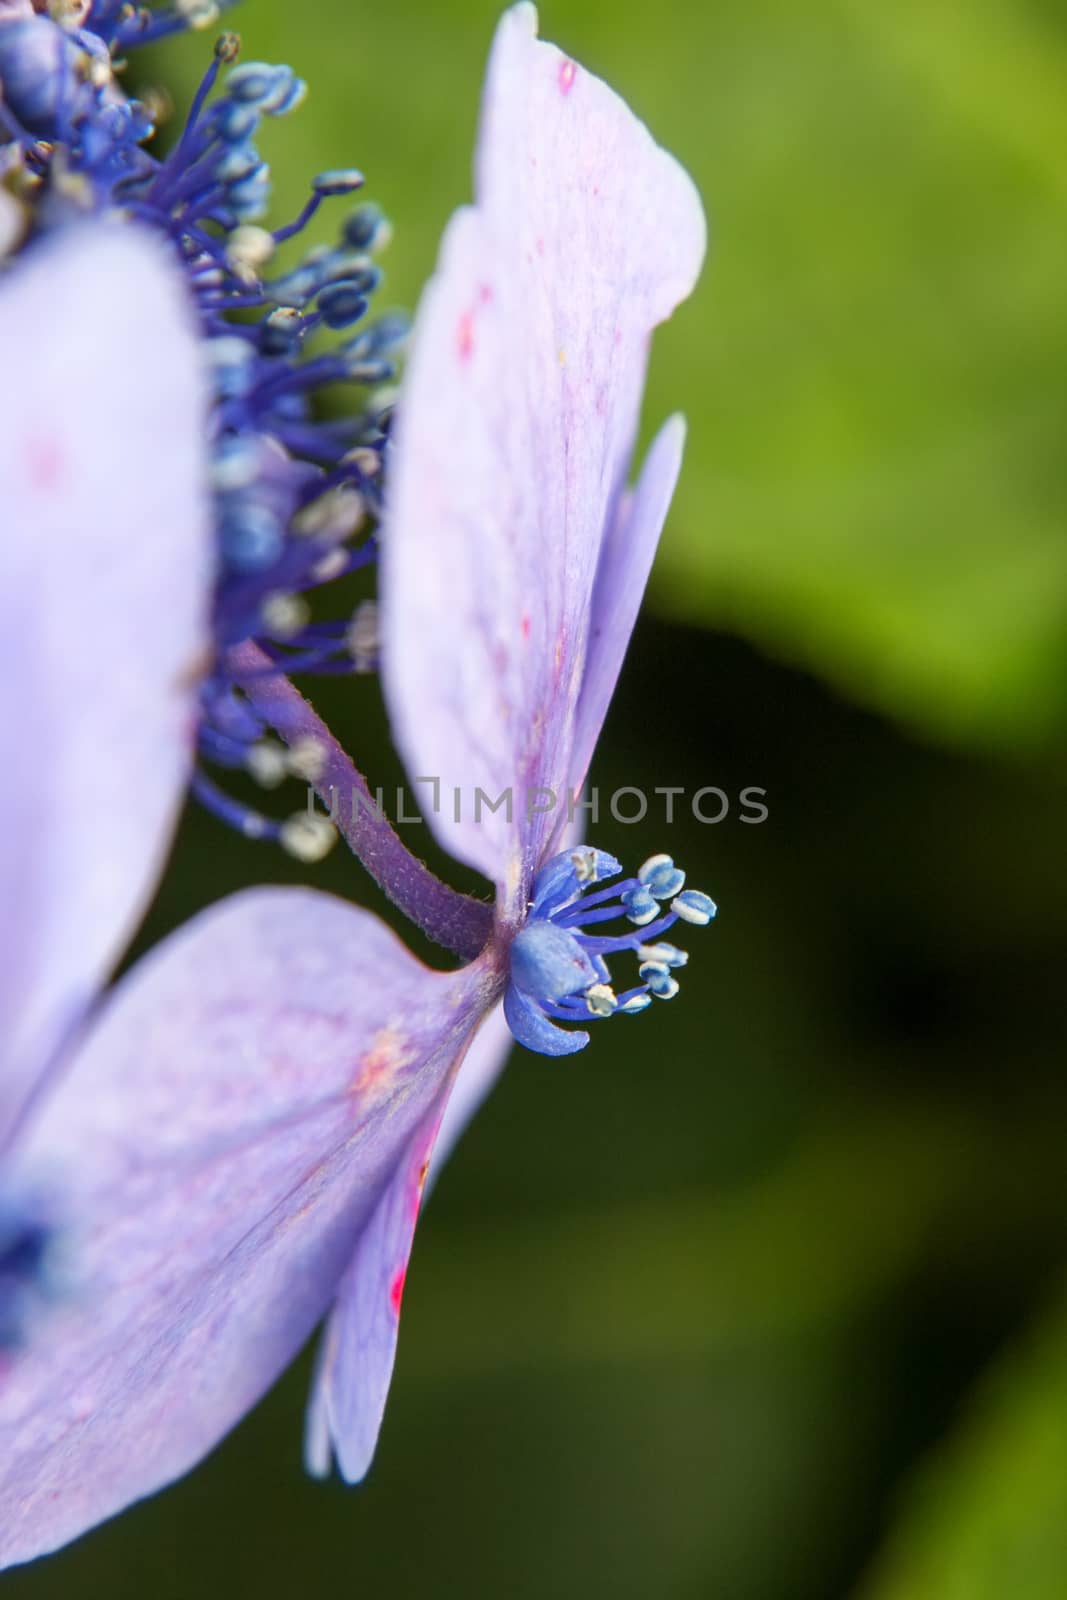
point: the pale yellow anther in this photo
(308, 836)
(601, 999)
(364, 636)
(248, 251)
(583, 860)
(307, 759)
(267, 762)
(284, 614)
(331, 565)
(365, 460)
(335, 515)
(69, 14)
(198, 13)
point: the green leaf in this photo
(988, 1519)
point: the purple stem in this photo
(455, 920)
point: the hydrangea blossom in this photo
(294, 496)
(244, 1136)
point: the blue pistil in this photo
(558, 970)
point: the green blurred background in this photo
(763, 1298)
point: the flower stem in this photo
(455, 920)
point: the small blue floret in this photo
(558, 964)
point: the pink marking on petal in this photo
(568, 71)
(485, 293)
(524, 625)
(45, 462)
(416, 1193)
(377, 1069)
(396, 1289)
(465, 336)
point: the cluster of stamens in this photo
(558, 966)
(296, 497)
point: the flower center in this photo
(559, 967)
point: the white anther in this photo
(235, 469)
(364, 638)
(284, 614)
(697, 911)
(307, 759)
(583, 860)
(157, 103)
(69, 14)
(197, 13)
(601, 999)
(332, 564)
(249, 249)
(308, 836)
(645, 871)
(267, 763)
(663, 955)
(364, 459)
(335, 515)
(98, 71)
(13, 223)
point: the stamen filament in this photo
(457, 921)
